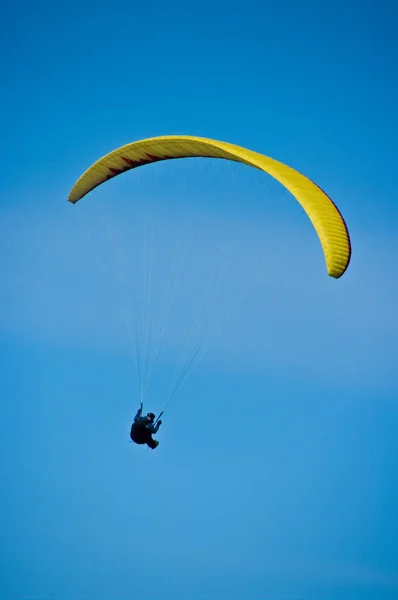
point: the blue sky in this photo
(275, 474)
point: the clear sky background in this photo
(275, 476)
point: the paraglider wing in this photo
(324, 215)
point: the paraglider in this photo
(320, 209)
(143, 428)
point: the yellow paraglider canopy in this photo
(324, 215)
